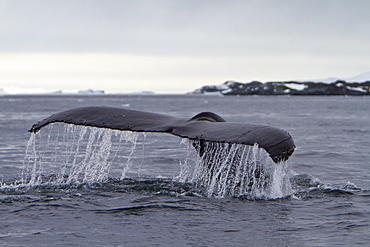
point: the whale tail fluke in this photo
(203, 127)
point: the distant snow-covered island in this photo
(91, 91)
(339, 87)
(40, 91)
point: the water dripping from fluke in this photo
(238, 170)
(65, 154)
(80, 154)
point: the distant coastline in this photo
(40, 91)
(232, 88)
(339, 87)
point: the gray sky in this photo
(178, 46)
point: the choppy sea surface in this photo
(77, 186)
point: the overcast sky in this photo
(180, 45)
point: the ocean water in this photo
(76, 186)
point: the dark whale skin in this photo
(205, 126)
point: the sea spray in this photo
(186, 174)
(29, 172)
(132, 138)
(280, 185)
(78, 154)
(239, 170)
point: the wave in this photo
(305, 187)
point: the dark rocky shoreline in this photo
(288, 88)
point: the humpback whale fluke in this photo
(205, 126)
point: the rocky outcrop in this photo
(288, 88)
